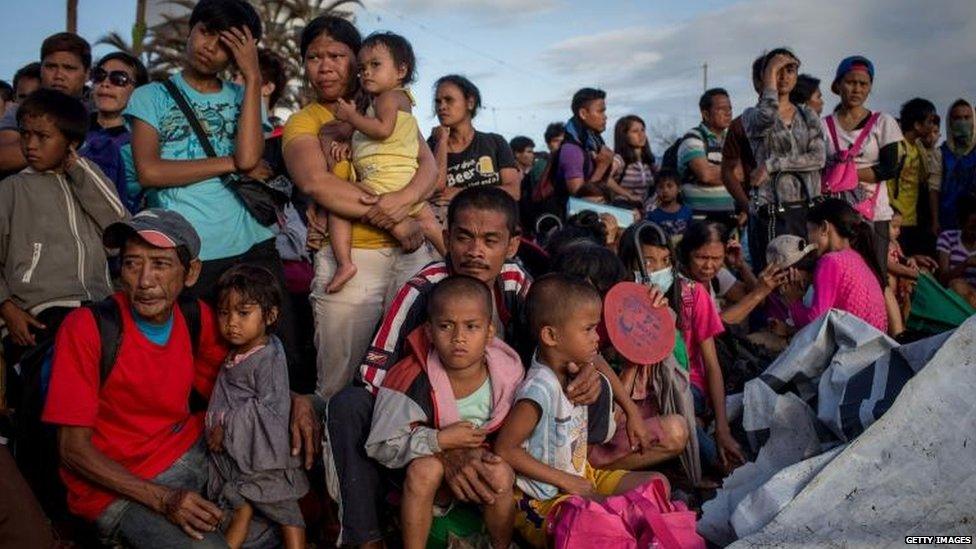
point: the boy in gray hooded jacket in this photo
(52, 215)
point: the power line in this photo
(476, 51)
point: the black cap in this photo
(159, 227)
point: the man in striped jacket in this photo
(482, 238)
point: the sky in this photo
(527, 57)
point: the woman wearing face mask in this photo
(958, 165)
(699, 323)
(704, 251)
(108, 142)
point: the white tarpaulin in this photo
(909, 473)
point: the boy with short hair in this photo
(672, 215)
(171, 163)
(545, 436)
(52, 216)
(451, 392)
(176, 172)
(65, 60)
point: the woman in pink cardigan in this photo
(847, 275)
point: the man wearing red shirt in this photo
(132, 454)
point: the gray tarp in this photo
(909, 473)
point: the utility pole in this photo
(71, 25)
(705, 76)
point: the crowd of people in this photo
(213, 320)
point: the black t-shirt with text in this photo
(481, 163)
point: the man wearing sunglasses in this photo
(108, 143)
(65, 60)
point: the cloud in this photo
(919, 49)
(491, 12)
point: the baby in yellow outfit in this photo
(385, 143)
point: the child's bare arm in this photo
(902, 271)
(518, 427)
(728, 449)
(385, 106)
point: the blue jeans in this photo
(135, 525)
(707, 449)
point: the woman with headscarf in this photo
(958, 165)
(876, 161)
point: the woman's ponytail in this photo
(849, 224)
(863, 242)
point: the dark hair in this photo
(554, 130)
(68, 113)
(336, 28)
(221, 15)
(705, 102)
(584, 97)
(138, 69)
(30, 70)
(273, 72)
(596, 264)
(590, 220)
(570, 235)
(667, 174)
(6, 91)
(850, 225)
(699, 234)
(768, 56)
(626, 151)
(915, 111)
(399, 47)
(804, 89)
(965, 208)
(757, 72)
(254, 284)
(468, 90)
(519, 143)
(554, 297)
(68, 42)
(630, 255)
(485, 197)
(457, 286)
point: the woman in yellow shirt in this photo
(387, 244)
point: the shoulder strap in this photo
(190, 308)
(108, 321)
(861, 137)
(191, 117)
(832, 129)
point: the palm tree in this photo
(282, 20)
(137, 45)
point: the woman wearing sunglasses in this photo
(113, 79)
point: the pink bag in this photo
(642, 517)
(578, 523)
(842, 175)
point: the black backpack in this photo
(670, 158)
